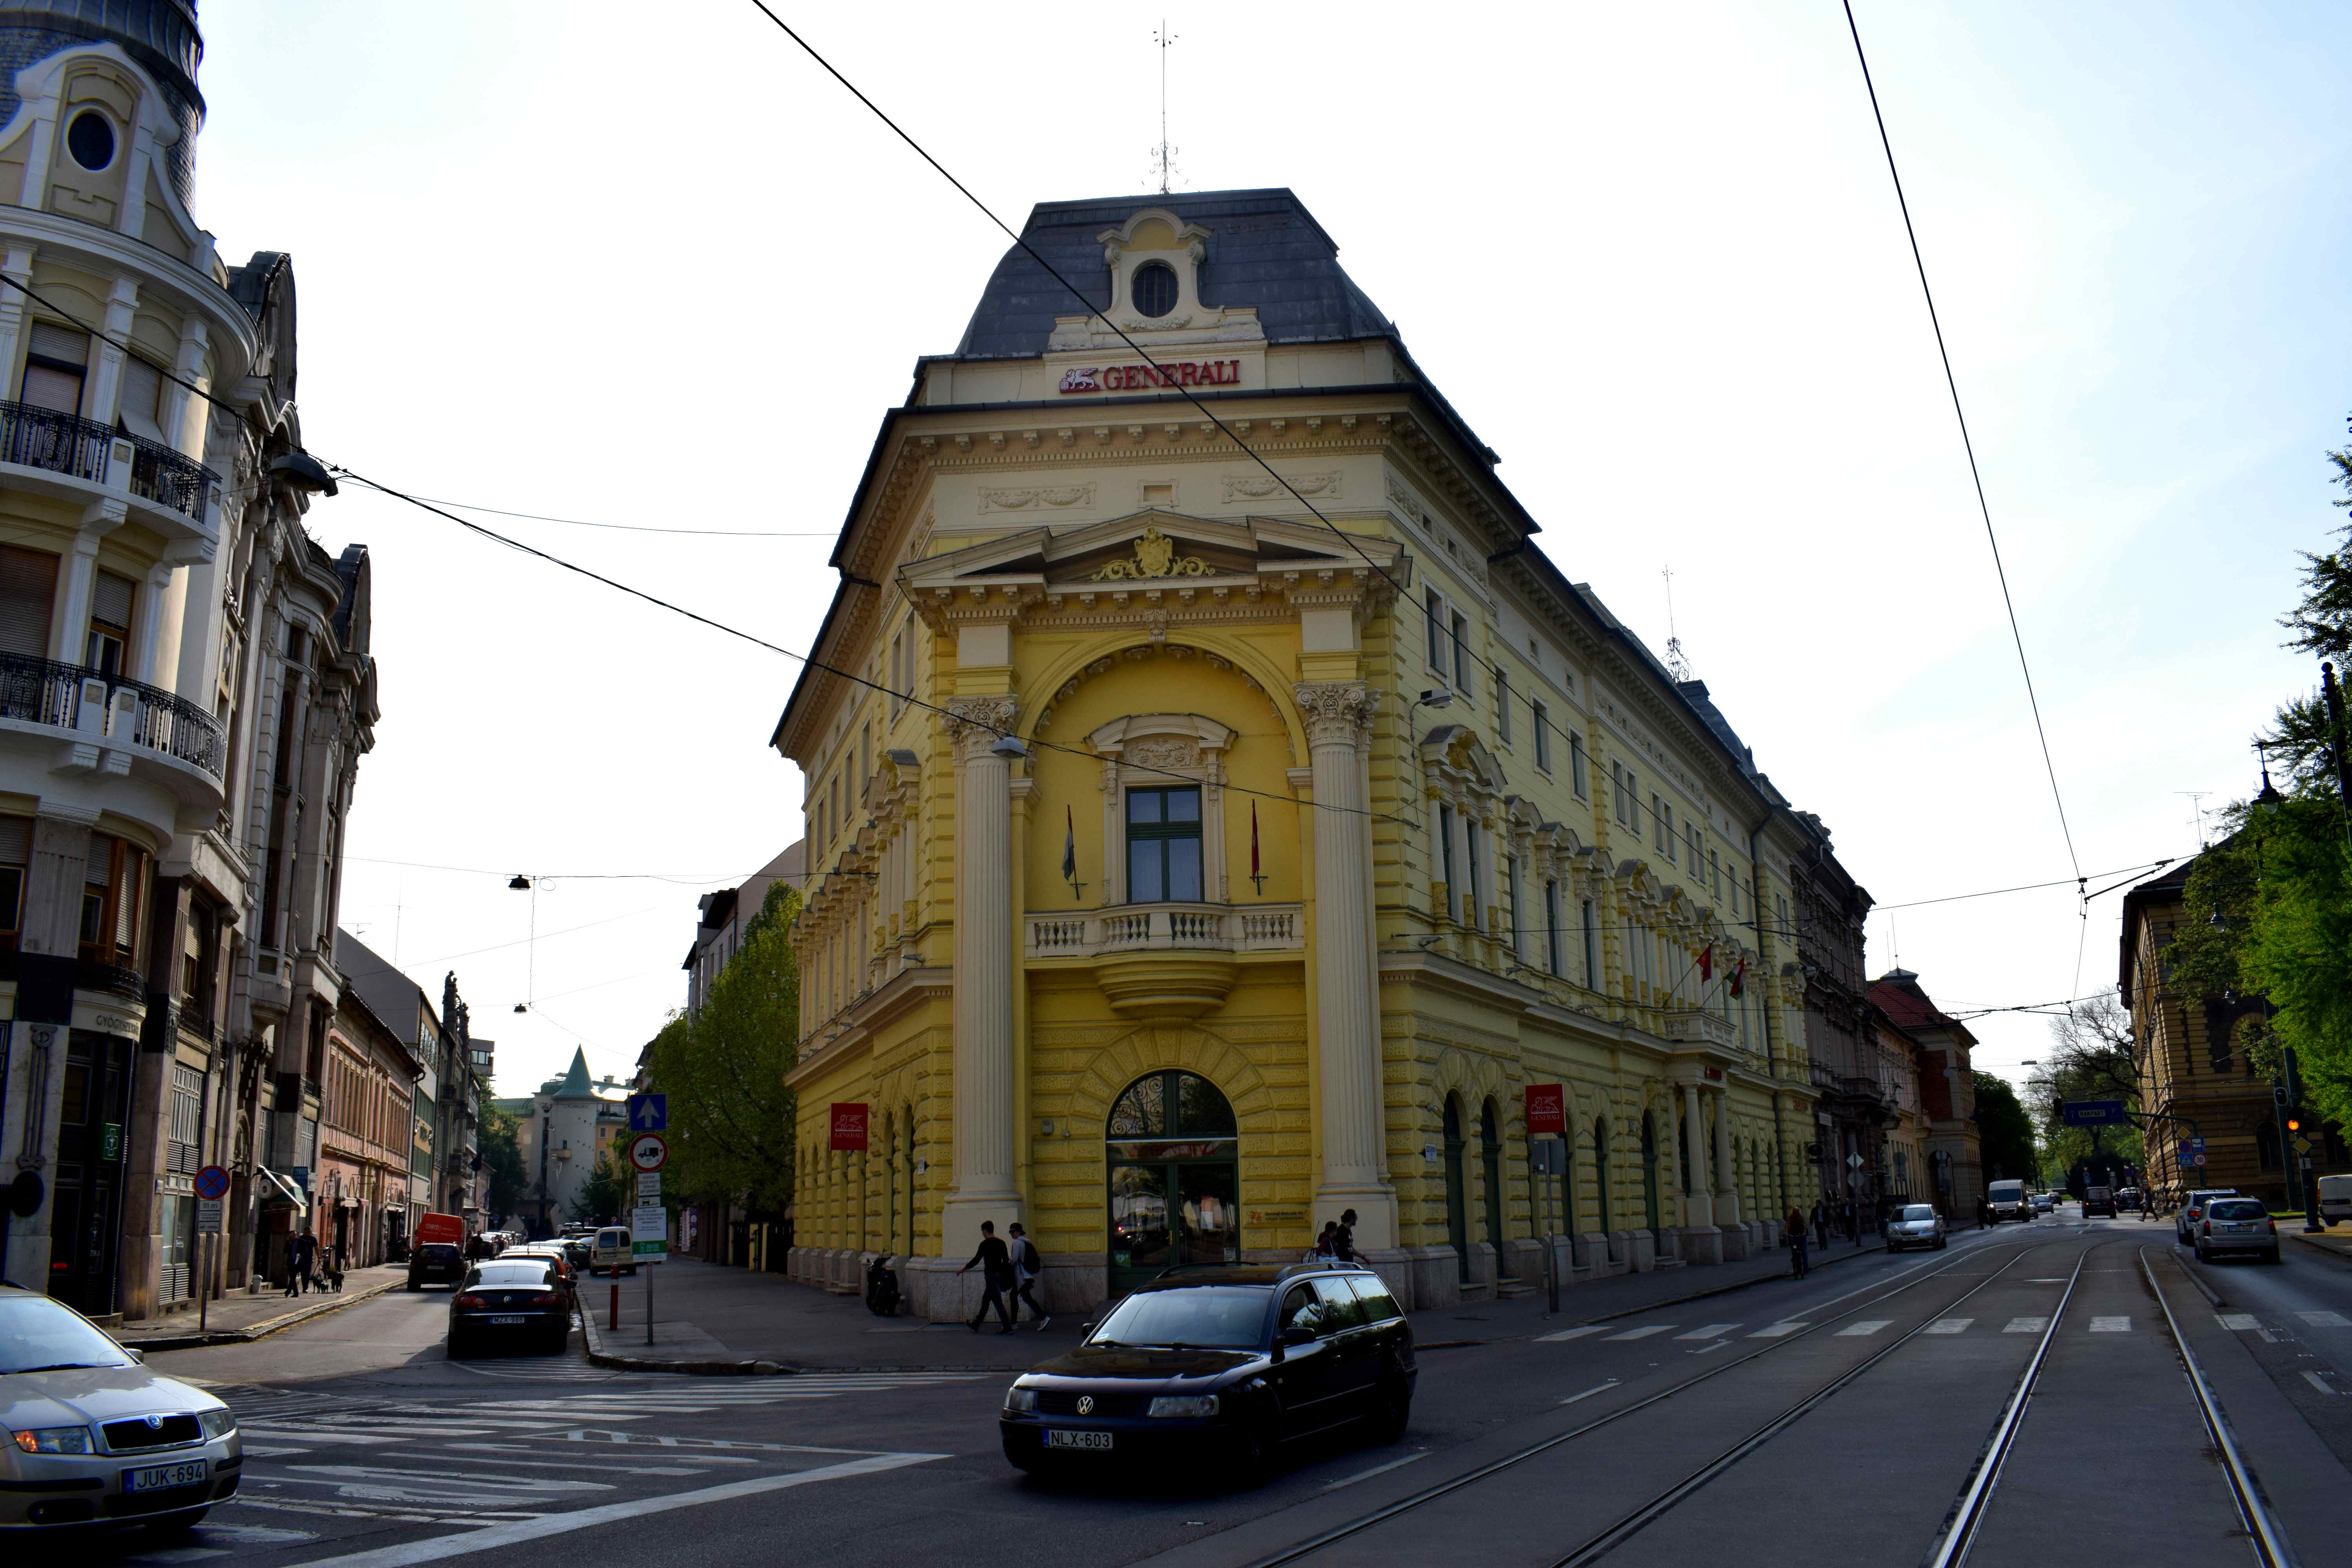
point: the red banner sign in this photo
(848, 1125)
(1547, 1111)
(1133, 377)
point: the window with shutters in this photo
(56, 362)
(187, 1115)
(110, 623)
(28, 587)
(142, 407)
(113, 875)
(16, 855)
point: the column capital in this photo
(1337, 713)
(974, 723)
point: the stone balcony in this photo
(1125, 929)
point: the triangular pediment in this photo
(1148, 545)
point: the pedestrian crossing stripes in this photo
(1950, 1325)
(1643, 1334)
(1575, 1333)
(2326, 1320)
(2026, 1325)
(2119, 1323)
(1707, 1331)
(1775, 1330)
(1867, 1326)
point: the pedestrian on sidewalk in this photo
(994, 1261)
(1792, 1234)
(1326, 1245)
(1821, 1222)
(1343, 1240)
(1026, 1266)
(301, 1250)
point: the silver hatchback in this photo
(2237, 1224)
(1915, 1224)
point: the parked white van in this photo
(2335, 1199)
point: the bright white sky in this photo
(648, 266)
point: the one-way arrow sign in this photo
(649, 1113)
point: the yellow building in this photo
(1188, 868)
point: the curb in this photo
(596, 1354)
(2329, 1245)
(1692, 1296)
(146, 1345)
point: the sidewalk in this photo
(711, 1319)
(238, 1317)
(2335, 1238)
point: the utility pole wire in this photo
(1952, 383)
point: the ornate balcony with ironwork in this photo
(79, 460)
(109, 725)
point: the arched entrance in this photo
(1175, 1178)
(1457, 1202)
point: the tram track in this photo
(1592, 1549)
(1958, 1533)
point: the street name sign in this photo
(648, 1151)
(650, 1233)
(2096, 1113)
(649, 1113)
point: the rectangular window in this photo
(29, 586)
(1691, 842)
(56, 363)
(1542, 723)
(1445, 854)
(1502, 705)
(1461, 683)
(16, 855)
(110, 623)
(1629, 795)
(1552, 927)
(1780, 913)
(141, 406)
(1476, 902)
(1576, 764)
(1662, 825)
(1164, 845)
(1438, 658)
(1511, 882)
(1714, 874)
(1591, 949)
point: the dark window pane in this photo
(1184, 869)
(1155, 290)
(1145, 882)
(90, 140)
(1143, 806)
(1184, 805)
(1199, 1108)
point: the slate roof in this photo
(1264, 249)
(1897, 993)
(390, 995)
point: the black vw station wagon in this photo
(1223, 1362)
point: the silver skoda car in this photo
(91, 1437)
(1915, 1224)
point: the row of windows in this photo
(57, 377)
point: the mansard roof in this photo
(1265, 248)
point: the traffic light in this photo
(2278, 1094)
(2293, 1125)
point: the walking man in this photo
(995, 1264)
(1343, 1245)
(1027, 1264)
(1792, 1233)
(300, 1249)
(1822, 1224)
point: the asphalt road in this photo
(1834, 1419)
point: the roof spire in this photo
(1164, 154)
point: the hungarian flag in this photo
(1069, 846)
(1739, 977)
(1253, 838)
(1706, 963)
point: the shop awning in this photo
(293, 1193)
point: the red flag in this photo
(1707, 961)
(1253, 838)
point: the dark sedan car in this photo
(1227, 1363)
(434, 1263)
(520, 1301)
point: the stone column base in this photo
(1700, 1244)
(1738, 1242)
(959, 1219)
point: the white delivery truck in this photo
(2010, 1200)
(2335, 1199)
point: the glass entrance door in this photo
(1174, 1179)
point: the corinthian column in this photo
(1347, 1014)
(982, 1011)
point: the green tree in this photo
(730, 1115)
(600, 1198)
(502, 1156)
(2005, 1133)
(2090, 1057)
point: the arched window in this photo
(1601, 1174)
(1174, 1198)
(1457, 1219)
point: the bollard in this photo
(612, 1319)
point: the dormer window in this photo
(1155, 290)
(90, 140)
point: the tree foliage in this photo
(2004, 1132)
(2271, 906)
(502, 1156)
(730, 1115)
(605, 1194)
(2090, 1057)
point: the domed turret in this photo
(160, 35)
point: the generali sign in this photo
(1139, 377)
(848, 1125)
(1547, 1111)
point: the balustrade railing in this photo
(83, 449)
(130, 713)
(1216, 928)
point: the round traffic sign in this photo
(648, 1151)
(211, 1183)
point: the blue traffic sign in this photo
(211, 1183)
(649, 1113)
(2096, 1113)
